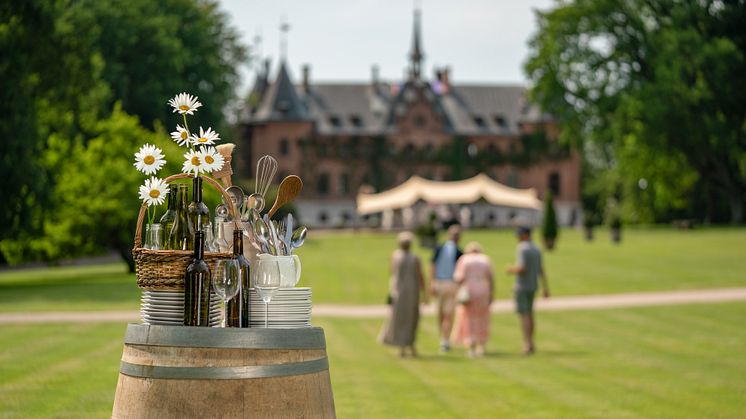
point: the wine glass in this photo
(225, 282)
(266, 282)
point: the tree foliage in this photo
(549, 228)
(657, 90)
(154, 49)
(65, 65)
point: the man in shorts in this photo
(528, 269)
(442, 285)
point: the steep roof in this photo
(359, 108)
(281, 101)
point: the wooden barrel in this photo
(205, 372)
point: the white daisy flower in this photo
(212, 160)
(154, 191)
(149, 159)
(205, 137)
(184, 103)
(181, 136)
(193, 162)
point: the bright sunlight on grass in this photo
(674, 361)
(351, 268)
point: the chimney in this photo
(446, 79)
(306, 77)
(375, 76)
(266, 69)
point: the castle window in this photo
(479, 121)
(344, 184)
(554, 183)
(419, 121)
(501, 122)
(322, 184)
(429, 150)
(323, 218)
(335, 121)
(284, 147)
(356, 121)
(472, 150)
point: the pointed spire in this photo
(416, 55)
(281, 101)
(284, 29)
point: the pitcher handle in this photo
(296, 261)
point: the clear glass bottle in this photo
(220, 242)
(179, 237)
(197, 282)
(153, 236)
(238, 308)
(199, 214)
(209, 238)
(168, 219)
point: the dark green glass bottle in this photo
(199, 214)
(179, 237)
(197, 287)
(167, 221)
(238, 307)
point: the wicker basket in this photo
(164, 269)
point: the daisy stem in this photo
(186, 126)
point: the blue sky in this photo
(481, 40)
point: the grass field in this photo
(351, 268)
(675, 362)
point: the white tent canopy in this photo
(457, 192)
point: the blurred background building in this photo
(341, 137)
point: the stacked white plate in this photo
(167, 308)
(290, 308)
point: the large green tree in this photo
(152, 50)
(65, 64)
(655, 88)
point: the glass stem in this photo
(266, 314)
(225, 312)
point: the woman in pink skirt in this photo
(474, 271)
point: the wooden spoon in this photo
(289, 188)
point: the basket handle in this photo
(168, 180)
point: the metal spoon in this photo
(262, 234)
(289, 229)
(299, 237)
(256, 201)
(273, 234)
(237, 196)
(289, 188)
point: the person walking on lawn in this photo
(442, 286)
(406, 285)
(528, 269)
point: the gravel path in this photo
(588, 302)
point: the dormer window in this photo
(479, 121)
(356, 121)
(282, 106)
(501, 122)
(335, 121)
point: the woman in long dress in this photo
(405, 288)
(475, 272)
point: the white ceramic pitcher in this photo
(289, 268)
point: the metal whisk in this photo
(266, 168)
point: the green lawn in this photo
(673, 361)
(351, 268)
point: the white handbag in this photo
(462, 295)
